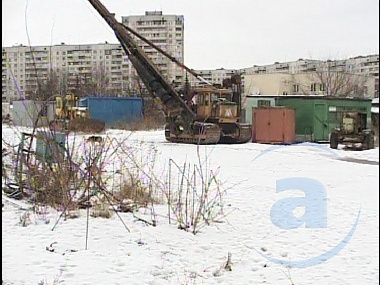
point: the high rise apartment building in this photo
(213, 76)
(167, 33)
(363, 65)
(367, 66)
(103, 69)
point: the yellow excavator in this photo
(70, 117)
(215, 116)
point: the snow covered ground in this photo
(167, 255)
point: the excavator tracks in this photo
(244, 134)
(201, 133)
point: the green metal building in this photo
(316, 116)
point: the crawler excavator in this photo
(69, 117)
(214, 118)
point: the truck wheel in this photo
(334, 140)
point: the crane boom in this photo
(172, 58)
(149, 74)
(210, 119)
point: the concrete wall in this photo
(26, 113)
(6, 109)
(253, 102)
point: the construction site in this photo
(179, 183)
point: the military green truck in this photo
(353, 132)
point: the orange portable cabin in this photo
(273, 125)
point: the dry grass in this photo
(133, 190)
(149, 122)
(49, 185)
(101, 210)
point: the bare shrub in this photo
(196, 199)
(101, 210)
(86, 169)
(50, 185)
(133, 190)
(139, 185)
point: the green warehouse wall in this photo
(316, 117)
(254, 102)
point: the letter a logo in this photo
(228, 113)
(314, 203)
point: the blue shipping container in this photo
(114, 110)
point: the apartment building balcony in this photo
(116, 73)
(29, 88)
(79, 50)
(81, 69)
(31, 76)
(117, 63)
(282, 68)
(75, 61)
(31, 81)
(33, 67)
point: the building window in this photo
(322, 87)
(296, 88)
(263, 103)
(313, 87)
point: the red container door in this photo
(276, 125)
(273, 125)
(289, 126)
(261, 125)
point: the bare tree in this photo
(84, 83)
(49, 87)
(99, 82)
(133, 86)
(94, 83)
(333, 79)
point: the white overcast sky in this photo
(218, 33)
